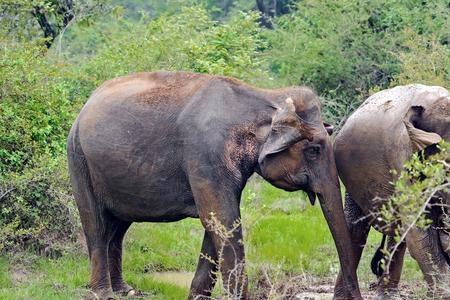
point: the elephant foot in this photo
(125, 290)
(105, 294)
(441, 292)
(388, 294)
(343, 295)
(347, 297)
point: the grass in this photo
(284, 234)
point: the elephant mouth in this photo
(311, 195)
(303, 181)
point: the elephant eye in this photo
(312, 152)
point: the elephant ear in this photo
(287, 128)
(420, 139)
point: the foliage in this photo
(46, 18)
(415, 190)
(345, 49)
(219, 9)
(35, 106)
(37, 210)
(424, 59)
(36, 109)
(190, 40)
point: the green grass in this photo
(283, 233)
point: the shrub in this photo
(36, 113)
(34, 106)
(190, 40)
(345, 49)
(424, 60)
(37, 209)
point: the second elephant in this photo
(379, 137)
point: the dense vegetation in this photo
(54, 53)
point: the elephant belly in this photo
(156, 198)
(141, 181)
(155, 207)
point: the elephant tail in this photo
(376, 263)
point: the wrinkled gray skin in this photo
(160, 147)
(378, 137)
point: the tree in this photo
(271, 8)
(24, 19)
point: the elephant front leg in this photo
(218, 205)
(359, 229)
(205, 276)
(226, 236)
(425, 249)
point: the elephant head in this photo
(298, 155)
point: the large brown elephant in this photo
(164, 146)
(377, 138)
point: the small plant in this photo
(237, 275)
(415, 189)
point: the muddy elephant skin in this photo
(163, 146)
(379, 137)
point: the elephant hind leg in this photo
(95, 222)
(425, 249)
(115, 258)
(389, 279)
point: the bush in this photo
(36, 114)
(344, 49)
(37, 210)
(34, 106)
(424, 59)
(189, 41)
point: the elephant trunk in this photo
(330, 199)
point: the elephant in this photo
(164, 146)
(379, 137)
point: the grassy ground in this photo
(285, 238)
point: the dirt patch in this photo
(19, 274)
(306, 287)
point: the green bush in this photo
(36, 114)
(424, 59)
(37, 210)
(346, 48)
(190, 41)
(34, 106)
